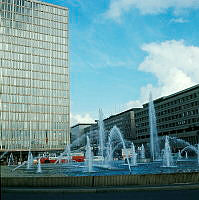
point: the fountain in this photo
(142, 152)
(11, 160)
(77, 141)
(89, 156)
(19, 166)
(179, 155)
(115, 133)
(67, 152)
(167, 155)
(186, 155)
(3, 154)
(133, 155)
(109, 154)
(154, 142)
(39, 166)
(113, 165)
(30, 160)
(101, 134)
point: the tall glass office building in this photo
(34, 75)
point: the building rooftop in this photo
(173, 95)
(132, 109)
(81, 124)
(49, 4)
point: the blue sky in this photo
(120, 50)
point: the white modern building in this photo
(34, 76)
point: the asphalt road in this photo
(132, 195)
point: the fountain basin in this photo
(97, 181)
(114, 168)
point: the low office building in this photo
(77, 135)
(177, 116)
(125, 121)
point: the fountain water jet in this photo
(39, 166)
(142, 152)
(30, 160)
(101, 133)
(167, 156)
(186, 155)
(89, 157)
(115, 132)
(154, 142)
(133, 155)
(68, 153)
(109, 154)
(179, 155)
(11, 160)
(19, 166)
(3, 154)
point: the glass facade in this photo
(34, 75)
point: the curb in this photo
(102, 189)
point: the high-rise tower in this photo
(34, 75)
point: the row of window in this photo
(36, 104)
(20, 119)
(53, 118)
(33, 100)
(169, 125)
(172, 103)
(26, 5)
(33, 60)
(33, 31)
(30, 99)
(25, 146)
(34, 125)
(50, 52)
(178, 108)
(35, 135)
(7, 93)
(21, 75)
(32, 83)
(11, 139)
(180, 100)
(33, 18)
(31, 44)
(176, 116)
(13, 68)
(168, 111)
(179, 123)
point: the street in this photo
(140, 195)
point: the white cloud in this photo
(77, 118)
(175, 65)
(118, 7)
(179, 20)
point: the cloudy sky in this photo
(120, 50)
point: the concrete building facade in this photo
(125, 121)
(77, 135)
(34, 76)
(177, 115)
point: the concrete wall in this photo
(95, 181)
